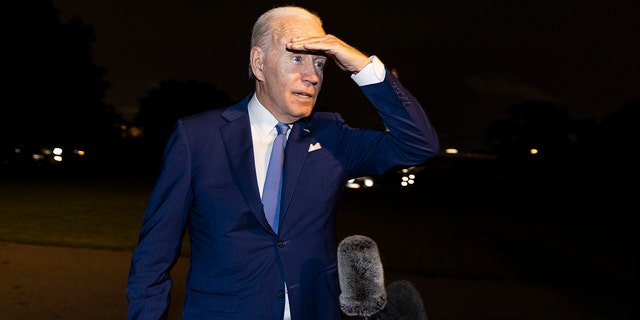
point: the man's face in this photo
(292, 80)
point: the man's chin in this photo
(303, 112)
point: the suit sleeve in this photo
(409, 139)
(160, 239)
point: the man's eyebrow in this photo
(309, 52)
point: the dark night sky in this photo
(466, 60)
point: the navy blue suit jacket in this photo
(208, 186)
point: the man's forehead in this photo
(296, 27)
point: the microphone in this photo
(361, 277)
(403, 303)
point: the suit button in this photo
(280, 244)
(281, 293)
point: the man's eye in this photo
(320, 64)
(297, 58)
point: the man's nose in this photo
(311, 74)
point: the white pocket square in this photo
(314, 147)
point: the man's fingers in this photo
(346, 57)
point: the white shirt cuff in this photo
(372, 73)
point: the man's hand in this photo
(346, 57)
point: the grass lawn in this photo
(105, 212)
(471, 234)
(450, 234)
(73, 212)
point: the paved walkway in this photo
(41, 282)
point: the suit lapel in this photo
(236, 136)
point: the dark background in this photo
(467, 61)
(497, 78)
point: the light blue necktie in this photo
(273, 181)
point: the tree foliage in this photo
(171, 100)
(55, 93)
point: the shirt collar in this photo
(262, 121)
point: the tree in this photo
(534, 145)
(55, 92)
(538, 125)
(613, 155)
(170, 100)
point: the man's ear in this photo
(257, 61)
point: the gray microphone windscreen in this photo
(361, 277)
(403, 303)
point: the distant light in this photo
(57, 158)
(407, 180)
(135, 132)
(79, 152)
(360, 183)
(352, 185)
(451, 150)
(368, 182)
(533, 151)
(57, 151)
(17, 150)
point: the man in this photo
(215, 165)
